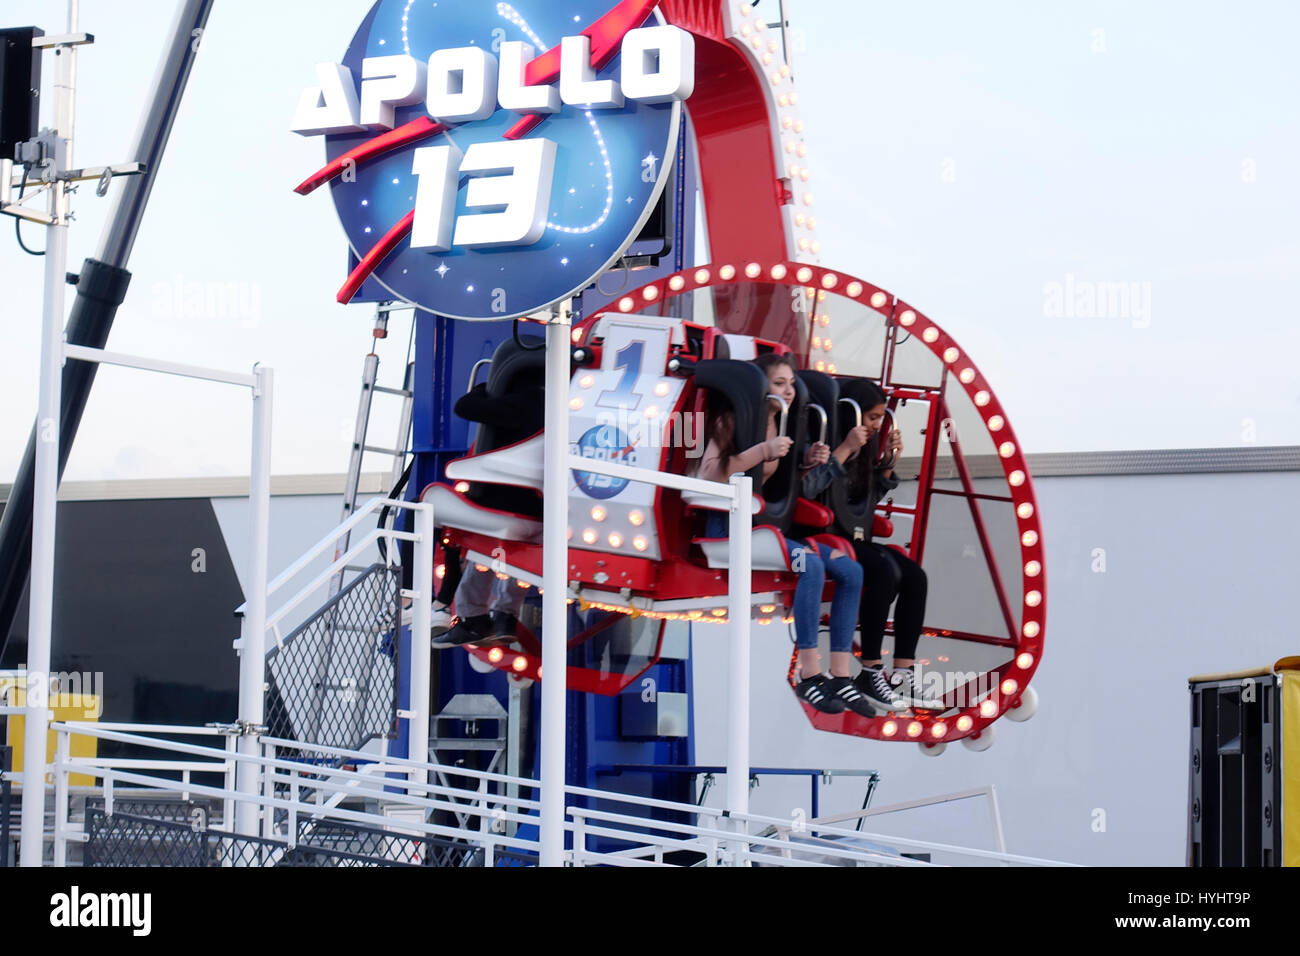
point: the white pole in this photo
(45, 493)
(738, 609)
(252, 659)
(555, 572)
(421, 620)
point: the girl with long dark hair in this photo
(888, 575)
(814, 562)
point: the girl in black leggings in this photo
(888, 575)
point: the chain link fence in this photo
(127, 840)
(130, 840)
(333, 680)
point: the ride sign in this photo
(488, 160)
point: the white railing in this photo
(293, 790)
(252, 643)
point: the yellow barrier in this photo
(1289, 670)
(64, 707)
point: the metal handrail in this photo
(785, 412)
(655, 835)
(319, 548)
(825, 420)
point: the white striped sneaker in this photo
(816, 690)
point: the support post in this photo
(421, 652)
(46, 488)
(252, 654)
(555, 572)
(738, 604)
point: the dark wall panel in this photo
(133, 601)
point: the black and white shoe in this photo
(908, 688)
(844, 689)
(471, 630)
(873, 684)
(440, 620)
(816, 690)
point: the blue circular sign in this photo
(604, 443)
(610, 165)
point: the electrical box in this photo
(20, 88)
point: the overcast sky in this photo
(996, 164)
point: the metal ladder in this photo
(369, 387)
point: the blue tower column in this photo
(445, 353)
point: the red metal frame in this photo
(1026, 644)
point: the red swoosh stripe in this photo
(375, 256)
(372, 149)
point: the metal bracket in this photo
(63, 39)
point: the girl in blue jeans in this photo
(814, 562)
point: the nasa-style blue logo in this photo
(490, 159)
(604, 443)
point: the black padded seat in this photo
(743, 386)
(854, 501)
(515, 372)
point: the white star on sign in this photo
(442, 270)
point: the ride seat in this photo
(768, 551)
(509, 481)
(452, 509)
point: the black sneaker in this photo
(816, 690)
(504, 625)
(873, 684)
(469, 630)
(844, 689)
(908, 688)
